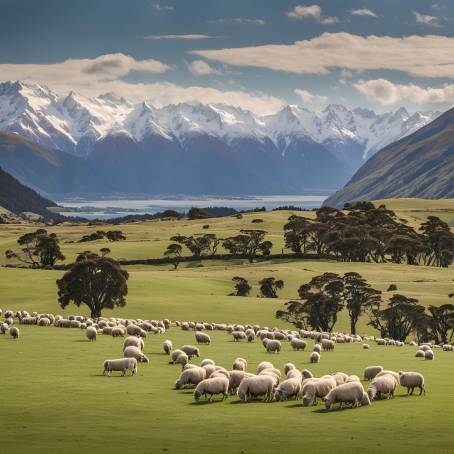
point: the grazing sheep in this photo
(134, 352)
(371, 372)
(317, 348)
(44, 322)
(256, 386)
(273, 346)
(236, 377)
(264, 365)
(315, 357)
(298, 344)
(122, 365)
(14, 332)
(210, 387)
(385, 384)
(288, 367)
(316, 387)
(307, 374)
(412, 380)
(238, 335)
(389, 372)
(134, 330)
(287, 389)
(429, 354)
(425, 347)
(348, 393)
(118, 332)
(190, 350)
(91, 333)
(366, 346)
(191, 376)
(339, 377)
(207, 361)
(239, 364)
(202, 338)
(352, 378)
(174, 355)
(210, 369)
(182, 359)
(167, 346)
(133, 341)
(420, 354)
(3, 328)
(327, 345)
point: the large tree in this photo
(248, 243)
(173, 252)
(39, 249)
(242, 286)
(269, 287)
(96, 282)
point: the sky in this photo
(259, 55)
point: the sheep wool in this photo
(348, 393)
(412, 380)
(256, 386)
(210, 387)
(121, 365)
(134, 352)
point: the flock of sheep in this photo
(209, 379)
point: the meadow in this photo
(55, 399)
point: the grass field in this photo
(54, 398)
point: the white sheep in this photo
(347, 393)
(14, 332)
(339, 377)
(306, 374)
(371, 372)
(389, 372)
(182, 359)
(315, 357)
(385, 384)
(210, 387)
(134, 352)
(167, 346)
(315, 387)
(273, 346)
(206, 362)
(191, 376)
(287, 389)
(202, 338)
(133, 341)
(294, 373)
(256, 386)
(429, 354)
(264, 365)
(91, 333)
(239, 364)
(366, 346)
(298, 344)
(236, 377)
(238, 335)
(121, 365)
(190, 350)
(327, 345)
(174, 355)
(412, 380)
(288, 367)
(420, 354)
(352, 378)
(317, 348)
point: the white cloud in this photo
(307, 96)
(427, 20)
(202, 68)
(192, 37)
(362, 12)
(426, 56)
(387, 93)
(239, 20)
(313, 12)
(160, 8)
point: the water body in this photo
(112, 208)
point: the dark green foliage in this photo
(173, 251)
(269, 287)
(197, 213)
(242, 287)
(248, 243)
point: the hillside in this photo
(420, 165)
(17, 198)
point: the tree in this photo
(439, 241)
(269, 287)
(38, 249)
(173, 251)
(248, 243)
(397, 321)
(94, 281)
(198, 244)
(359, 296)
(242, 286)
(442, 322)
(104, 251)
(198, 213)
(115, 235)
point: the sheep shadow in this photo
(207, 402)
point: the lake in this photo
(111, 208)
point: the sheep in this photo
(429, 354)
(236, 377)
(118, 332)
(389, 372)
(202, 338)
(14, 332)
(133, 330)
(44, 322)
(167, 346)
(307, 374)
(219, 371)
(327, 345)
(3, 328)
(190, 350)
(339, 377)
(366, 346)
(255, 386)
(315, 357)
(350, 393)
(191, 376)
(352, 378)
(273, 346)
(385, 384)
(210, 369)
(288, 388)
(412, 380)
(122, 365)
(210, 387)
(420, 354)
(239, 364)
(371, 372)
(264, 365)
(174, 355)
(133, 341)
(91, 333)
(182, 359)
(288, 367)
(206, 362)
(298, 344)
(425, 347)
(134, 352)
(316, 387)
(317, 348)
(294, 373)
(238, 335)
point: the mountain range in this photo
(419, 165)
(108, 145)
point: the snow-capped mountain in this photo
(74, 123)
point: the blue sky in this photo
(256, 54)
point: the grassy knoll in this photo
(55, 400)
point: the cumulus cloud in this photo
(238, 20)
(202, 68)
(307, 96)
(192, 37)
(362, 12)
(425, 56)
(426, 19)
(160, 8)
(388, 93)
(313, 12)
